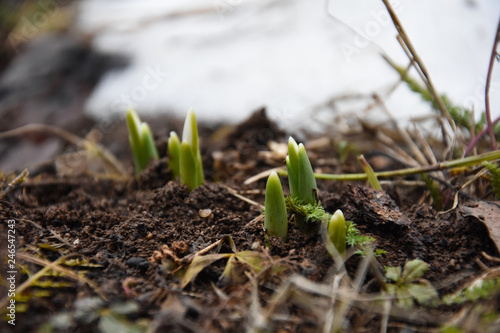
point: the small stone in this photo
(139, 263)
(205, 213)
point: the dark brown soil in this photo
(139, 237)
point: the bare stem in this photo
(487, 89)
(102, 152)
(474, 141)
(460, 163)
(418, 63)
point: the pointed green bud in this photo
(188, 167)
(174, 155)
(148, 143)
(337, 231)
(293, 151)
(292, 178)
(275, 222)
(190, 131)
(191, 167)
(133, 125)
(300, 173)
(141, 142)
(306, 180)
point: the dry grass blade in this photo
(47, 265)
(427, 150)
(61, 239)
(187, 259)
(418, 63)
(262, 175)
(487, 256)
(247, 200)
(396, 152)
(256, 319)
(470, 181)
(109, 159)
(346, 303)
(419, 156)
(14, 183)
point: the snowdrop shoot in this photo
(184, 157)
(300, 173)
(337, 231)
(275, 222)
(141, 142)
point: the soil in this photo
(135, 240)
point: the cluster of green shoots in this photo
(302, 201)
(141, 141)
(184, 158)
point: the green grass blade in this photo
(370, 174)
(458, 163)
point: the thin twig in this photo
(487, 89)
(88, 145)
(460, 163)
(48, 265)
(478, 137)
(243, 198)
(417, 61)
(15, 183)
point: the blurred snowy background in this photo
(227, 58)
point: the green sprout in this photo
(184, 157)
(275, 222)
(406, 285)
(300, 173)
(174, 155)
(141, 141)
(301, 182)
(370, 174)
(337, 231)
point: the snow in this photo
(227, 58)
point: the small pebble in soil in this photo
(139, 263)
(206, 213)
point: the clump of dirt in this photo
(137, 239)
